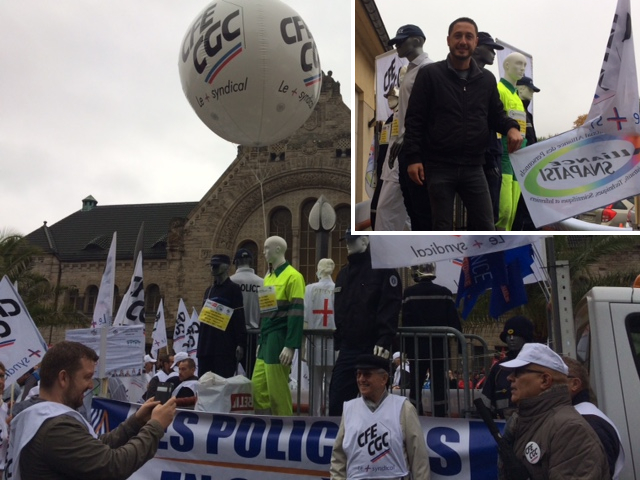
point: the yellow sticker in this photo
(216, 315)
(267, 299)
(395, 127)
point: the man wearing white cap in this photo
(149, 364)
(548, 435)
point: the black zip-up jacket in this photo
(449, 119)
(367, 304)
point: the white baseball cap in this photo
(396, 355)
(540, 355)
(149, 359)
(180, 356)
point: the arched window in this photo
(338, 248)
(280, 225)
(151, 300)
(90, 299)
(307, 244)
(72, 299)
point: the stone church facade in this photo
(265, 191)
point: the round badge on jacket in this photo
(393, 280)
(532, 452)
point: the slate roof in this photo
(86, 235)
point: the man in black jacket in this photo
(366, 303)
(453, 106)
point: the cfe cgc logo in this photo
(586, 165)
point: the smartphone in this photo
(163, 393)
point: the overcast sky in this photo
(92, 104)
(567, 39)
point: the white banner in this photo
(131, 311)
(159, 334)
(103, 311)
(388, 67)
(598, 163)
(246, 447)
(124, 348)
(193, 332)
(180, 328)
(396, 251)
(21, 345)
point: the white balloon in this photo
(250, 70)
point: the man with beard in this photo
(51, 440)
(454, 105)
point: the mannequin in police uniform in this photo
(319, 315)
(219, 351)
(367, 303)
(496, 393)
(526, 88)
(249, 284)
(427, 304)
(282, 317)
(514, 65)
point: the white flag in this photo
(599, 162)
(159, 335)
(180, 328)
(193, 330)
(131, 311)
(21, 345)
(103, 312)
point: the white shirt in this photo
(249, 283)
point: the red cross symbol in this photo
(618, 119)
(36, 353)
(325, 313)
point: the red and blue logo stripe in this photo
(223, 62)
(312, 80)
(7, 343)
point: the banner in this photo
(121, 349)
(191, 340)
(598, 163)
(21, 345)
(103, 311)
(180, 328)
(131, 311)
(388, 67)
(246, 447)
(159, 334)
(396, 251)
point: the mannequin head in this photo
(243, 258)
(357, 243)
(325, 268)
(485, 52)
(274, 250)
(392, 97)
(516, 332)
(526, 88)
(514, 65)
(408, 42)
(220, 267)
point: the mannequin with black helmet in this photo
(220, 349)
(249, 283)
(496, 392)
(367, 303)
(427, 304)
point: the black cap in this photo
(371, 362)
(242, 253)
(485, 39)
(405, 32)
(347, 235)
(519, 326)
(527, 82)
(219, 259)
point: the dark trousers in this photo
(469, 181)
(494, 182)
(224, 366)
(429, 356)
(343, 386)
(416, 200)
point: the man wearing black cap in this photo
(390, 441)
(496, 392)
(485, 54)
(223, 334)
(367, 303)
(249, 283)
(390, 213)
(454, 104)
(526, 88)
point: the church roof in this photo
(86, 234)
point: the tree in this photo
(580, 120)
